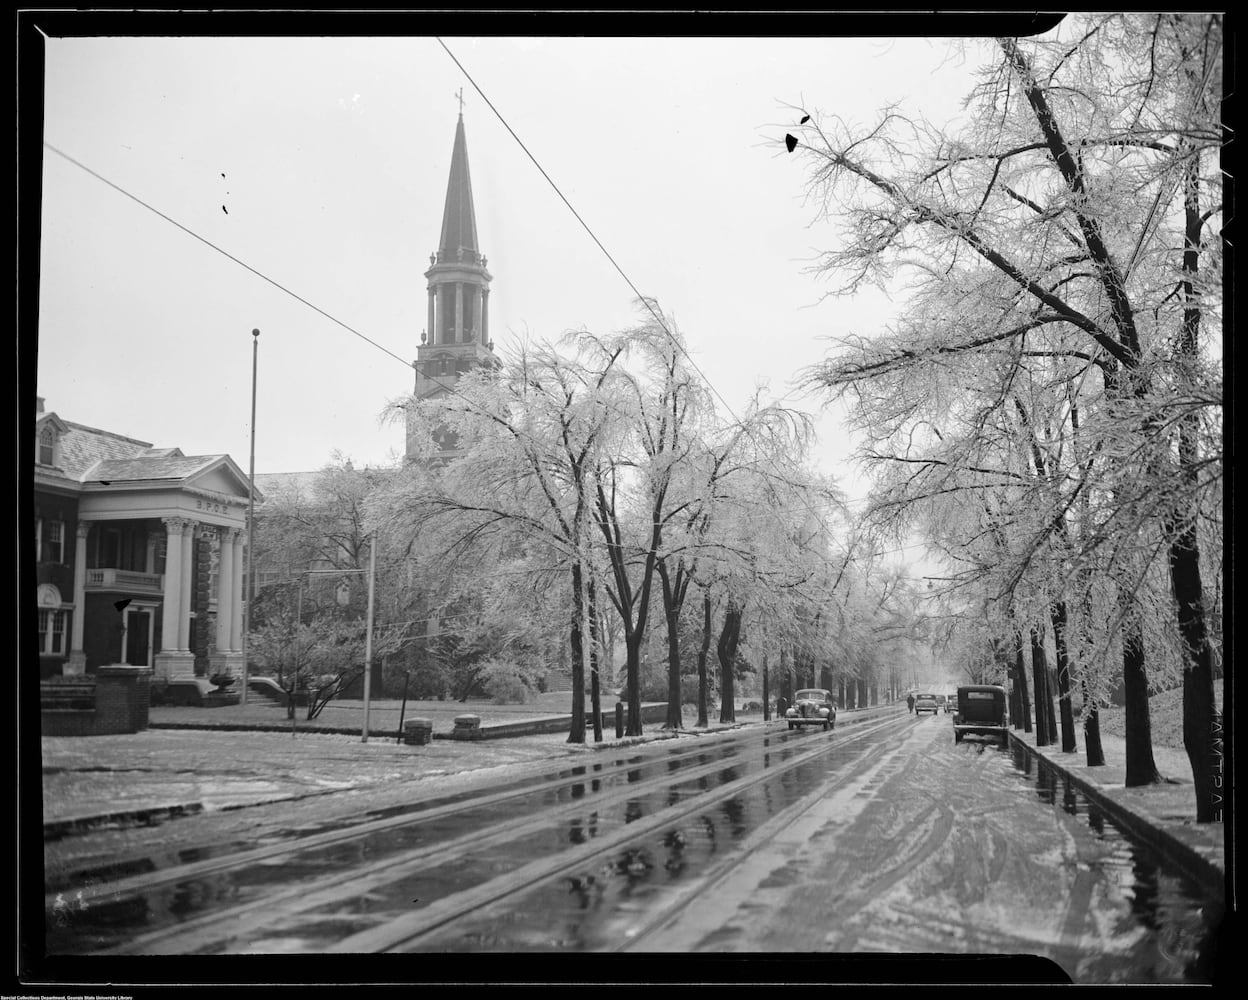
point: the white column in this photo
(80, 585)
(186, 588)
(240, 594)
(459, 311)
(485, 316)
(433, 330)
(77, 663)
(172, 611)
(226, 588)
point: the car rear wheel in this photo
(792, 725)
(826, 726)
(957, 737)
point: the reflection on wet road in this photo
(887, 839)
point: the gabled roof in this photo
(92, 457)
(148, 467)
(459, 221)
(53, 419)
(83, 447)
(283, 482)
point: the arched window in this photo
(47, 446)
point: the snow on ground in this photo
(1165, 717)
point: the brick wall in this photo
(122, 703)
(201, 581)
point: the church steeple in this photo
(457, 337)
(459, 221)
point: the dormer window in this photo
(47, 445)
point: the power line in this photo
(225, 253)
(258, 273)
(449, 388)
(629, 281)
(644, 299)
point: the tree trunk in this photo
(1202, 723)
(1141, 768)
(671, 612)
(1040, 678)
(706, 645)
(1092, 732)
(766, 692)
(727, 651)
(595, 692)
(1021, 669)
(577, 732)
(632, 653)
(1058, 614)
(1016, 701)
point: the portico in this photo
(158, 571)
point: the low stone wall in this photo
(651, 714)
(121, 703)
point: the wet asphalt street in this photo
(906, 843)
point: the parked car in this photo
(812, 707)
(981, 711)
(942, 703)
(925, 703)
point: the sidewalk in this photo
(1163, 815)
(163, 772)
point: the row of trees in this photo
(1048, 408)
(583, 500)
(589, 488)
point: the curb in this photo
(58, 828)
(1195, 865)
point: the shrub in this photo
(504, 684)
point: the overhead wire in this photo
(225, 253)
(577, 215)
(642, 298)
(256, 271)
(816, 510)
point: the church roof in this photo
(459, 221)
(302, 483)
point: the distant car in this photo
(942, 703)
(812, 707)
(981, 711)
(925, 703)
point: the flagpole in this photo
(251, 516)
(368, 637)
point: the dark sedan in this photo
(981, 711)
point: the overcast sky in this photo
(322, 163)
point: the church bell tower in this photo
(456, 338)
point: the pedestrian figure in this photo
(910, 701)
